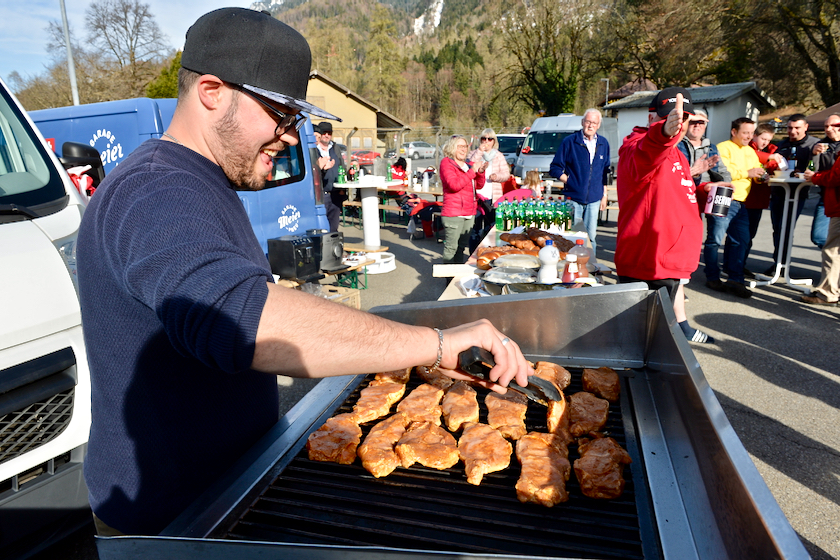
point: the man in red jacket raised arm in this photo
(659, 226)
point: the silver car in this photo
(417, 150)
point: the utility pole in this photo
(607, 92)
(71, 67)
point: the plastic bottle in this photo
(390, 176)
(500, 215)
(549, 257)
(572, 272)
(583, 256)
(341, 176)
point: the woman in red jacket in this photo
(827, 291)
(460, 180)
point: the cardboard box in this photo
(347, 296)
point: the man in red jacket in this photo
(827, 291)
(659, 227)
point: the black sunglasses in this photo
(284, 121)
(696, 122)
(485, 138)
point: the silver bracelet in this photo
(440, 349)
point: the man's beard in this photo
(237, 165)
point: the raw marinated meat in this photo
(335, 441)
(555, 373)
(376, 399)
(588, 413)
(422, 404)
(545, 469)
(435, 378)
(602, 382)
(377, 452)
(483, 450)
(600, 469)
(460, 405)
(427, 444)
(506, 413)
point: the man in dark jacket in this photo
(329, 161)
(582, 162)
(797, 146)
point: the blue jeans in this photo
(819, 227)
(736, 225)
(589, 214)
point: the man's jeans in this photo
(736, 225)
(589, 214)
(819, 227)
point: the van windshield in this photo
(543, 143)
(26, 178)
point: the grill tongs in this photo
(478, 362)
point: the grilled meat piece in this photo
(602, 382)
(506, 413)
(483, 450)
(539, 237)
(588, 413)
(555, 373)
(600, 469)
(519, 240)
(460, 405)
(545, 469)
(435, 378)
(396, 376)
(376, 399)
(427, 444)
(335, 441)
(558, 419)
(377, 452)
(422, 404)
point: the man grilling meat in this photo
(184, 326)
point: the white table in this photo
(369, 187)
(793, 186)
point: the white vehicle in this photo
(44, 377)
(509, 145)
(417, 150)
(545, 137)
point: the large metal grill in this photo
(427, 509)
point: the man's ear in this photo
(211, 91)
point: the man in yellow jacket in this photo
(743, 165)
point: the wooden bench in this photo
(383, 208)
(612, 204)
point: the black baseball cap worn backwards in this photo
(254, 50)
(664, 101)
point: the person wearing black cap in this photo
(659, 227)
(329, 162)
(184, 326)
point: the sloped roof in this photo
(816, 122)
(705, 95)
(383, 118)
(632, 87)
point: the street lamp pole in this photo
(71, 67)
(606, 92)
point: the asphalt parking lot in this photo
(775, 368)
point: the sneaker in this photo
(769, 272)
(817, 300)
(739, 290)
(716, 285)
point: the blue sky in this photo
(23, 24)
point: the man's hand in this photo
(808, 174)
(701, 165)
(709, 186)
(604, 200)
(819, 148)
(510, 363)
(755, 172)
(777, 158)
(674, 123)
(494, 178)
(325, 163)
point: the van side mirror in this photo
(74, 154)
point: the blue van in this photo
(290, 204)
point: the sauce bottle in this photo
(583, 254)
(572, 272)
(549, 257)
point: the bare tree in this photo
(125, 31)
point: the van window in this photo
(543, 143)
(288, 167)
(25, 178)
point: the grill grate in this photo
(23, 430)
(312, 502)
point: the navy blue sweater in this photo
(172, 283)
(586, 181)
